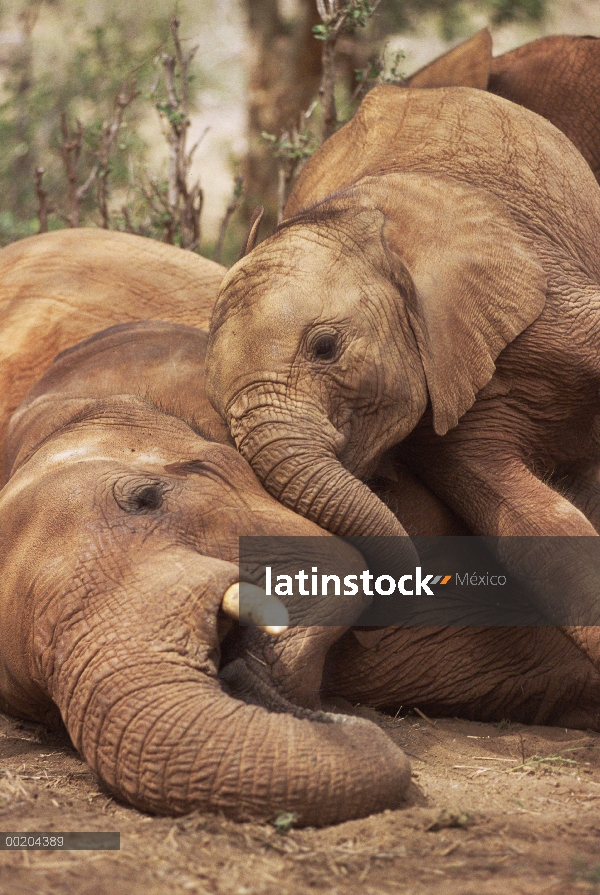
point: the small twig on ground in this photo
(522, 747)
(423, 716)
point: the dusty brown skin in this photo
(531, 675)
(522, 674)
(59, 288)
(556, 77)
(436, 265)
(559, 78)
(120, 526)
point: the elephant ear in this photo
(476, 283)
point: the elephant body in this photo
(58, 288)
(120, 522)
(559, 78)
(529, 675)
(119, 538)
(435, 285)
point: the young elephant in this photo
(119, 532)
(440, 261)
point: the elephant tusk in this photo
(257, 608)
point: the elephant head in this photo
(435, 265)
(119, 539)
(330, 340)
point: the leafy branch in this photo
(291, 149)
(379, 71)
(337, 16)
(182, 204)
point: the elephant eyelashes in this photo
(139, 498)
(325, 347)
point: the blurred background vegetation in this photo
(112, 116)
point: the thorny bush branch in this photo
(70, 151)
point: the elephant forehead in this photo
(62, 471)
(86, 455)
(300, 273)
(128, 446)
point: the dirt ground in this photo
(492, 809)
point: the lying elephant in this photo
(58, 288)
(119, 532)
(556, 77)
(119, 541)
(439, 261)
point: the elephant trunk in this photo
(301, 470)
(138, 689)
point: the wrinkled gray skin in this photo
(119, 531)
(437, 264)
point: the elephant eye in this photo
(139, 497)
(325, 346)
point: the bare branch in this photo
(126, 95)
(236, 198)
(336, 16)
(182, 60)
(168, 63)
(184, 201)
(83, 189)
(70, 152)
(129, 225)
(192, 151)
(291, 149)
(43, 209)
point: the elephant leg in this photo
(498, 496)
(581, 487)
(533, 675)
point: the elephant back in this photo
(473, 137)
